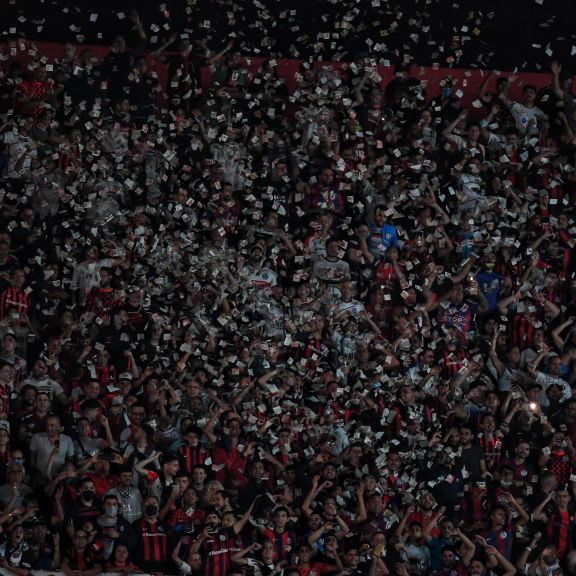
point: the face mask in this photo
(88, 495)
(506, 483)
(489, 265)
(18, 461)
(112, 511)
(151, 509)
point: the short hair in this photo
(169, 457)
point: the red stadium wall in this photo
(468, 81)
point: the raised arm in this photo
(209, 428)
(238, 526)
(556, 338)
(484, 87)
(220, 54)
(556, 88)
(447, 132)
(469, 548)
(140, 467)
(504, 94)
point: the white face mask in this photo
(111, 511)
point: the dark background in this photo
(507, 29)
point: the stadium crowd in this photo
(252, 331)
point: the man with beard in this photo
(258, 274)
(129, 498)
(423, 514)
(452, 563)
(213, 542)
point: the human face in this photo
(351, 558)
(257, 471)
(492, 402)
(375, 504)
(280, 518)
(171, 468)
(137, 414)
(233, 428)
(119, 44)
(80, 540)
(121, 553)
(407, 395)
(15, 476)
(427, 501)
(52, 427)
(562, 499)
(476, 568)
(488, 423)
(40, 369)
(195, 562)
(465, 436)
(87, 490)
(332, 249)
(193, 388)
(83, 428)
(228, 520)
(498, 517)
(190, 497)
(9, 343)
(529, 95)
(17, 535)
(315, 521)
(555, 366)
(448, 558)
(474, 133)
(218, 501)
(304, 554)
(198, 476)
(126, 479)
(39, 533)
(18, 279)
(92, 390)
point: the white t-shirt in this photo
(85, 277)
(545, 380)
(523, 115)
(328, 271)
(43, 448)
(18, 144)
